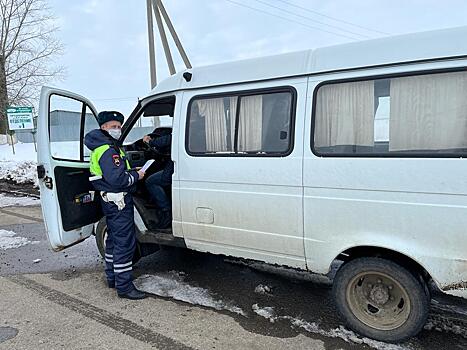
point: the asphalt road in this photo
(61, 301)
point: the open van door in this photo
(69, 205)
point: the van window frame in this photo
(81, 124)
(385, 154)
(239, 94)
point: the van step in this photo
(163, 237)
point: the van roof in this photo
(389, 50)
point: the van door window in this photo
(66, 116)
(253, 124)
(422, 115)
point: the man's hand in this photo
(141, 174)
(146, 138)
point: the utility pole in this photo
(152, 58)
(156, 8)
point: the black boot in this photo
(134, 294)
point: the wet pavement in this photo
(73, 280)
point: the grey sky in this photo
(106, 40)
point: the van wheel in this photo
(101, 236)
(380, 299)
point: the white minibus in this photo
(351, 153)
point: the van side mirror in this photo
(283, 135)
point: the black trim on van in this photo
(240, 94)
(399, 154)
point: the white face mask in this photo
(115, 133)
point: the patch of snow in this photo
(313, 327)
(266, 312)
(19, 172)
(6, 201)
(263, 289)
(21, 166)
(172, 285)
(9, 241)
(23, 152)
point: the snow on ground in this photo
(263, 289)
(267, 312)
(172, 285)
(9, 241)
(350, 337)
(21, 166)
(23, 152)
(6, 201)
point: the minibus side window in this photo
(250, 124)
(421, 115)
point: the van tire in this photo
(380, 299)
(101, 234)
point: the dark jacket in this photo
(162, 144)
(115, 175)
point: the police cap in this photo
(107, 116)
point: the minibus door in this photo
(69, 205)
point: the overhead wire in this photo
(312, 19)
(291, 20)
(332, 18)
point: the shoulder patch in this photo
(116, 159)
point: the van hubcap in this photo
(378, 300)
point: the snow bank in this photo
(19, 172)
(350, 337)
(171, 285)
(6, 201)
(21, 166)
(9, 241)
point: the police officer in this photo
(116, 181)
(156, 182)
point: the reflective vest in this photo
(96, 155)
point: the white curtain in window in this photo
(215, 126)
(345, 114)
(428, 112)
(250, 123)
(232, 115)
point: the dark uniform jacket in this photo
(162, 145)
(116, 177)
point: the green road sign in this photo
(20, 118)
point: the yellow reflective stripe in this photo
(94, 166)
(96, 155)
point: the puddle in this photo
(7, 333)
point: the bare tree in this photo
(28, 49)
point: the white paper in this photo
(147, 165)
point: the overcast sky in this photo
(106, 41)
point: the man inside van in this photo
(115, 181)
(156, 183)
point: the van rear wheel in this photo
(380, 299)
(101, 236)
